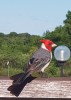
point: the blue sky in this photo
(32, 16)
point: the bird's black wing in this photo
(37, 64)
(40, 57)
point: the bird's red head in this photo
(48, 44)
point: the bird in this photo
(37, 63)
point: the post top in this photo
(62, 53)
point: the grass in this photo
(12, 71)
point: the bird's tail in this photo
(19, 83)
(22, 78)
(16, 77)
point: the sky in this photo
(32, 16)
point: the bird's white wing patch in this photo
(46, 64)
(45, 67)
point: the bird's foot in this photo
(43, 75)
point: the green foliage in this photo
(53, 70)
(1, 34)
(12, 71)
(67, 23)
(17, 49)
(12, 34)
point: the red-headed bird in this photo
(37, 63)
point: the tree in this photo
(67, 23)
(1, 34)
(45, 34)
(12, 34)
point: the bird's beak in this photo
(54, 45)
